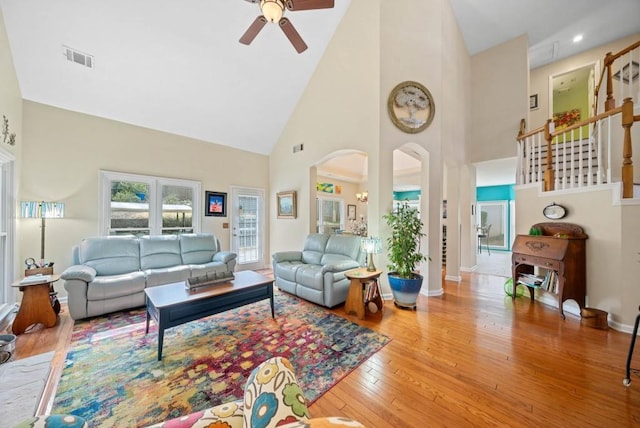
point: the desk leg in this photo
(160, 339)
(35, 308)
(273, 306)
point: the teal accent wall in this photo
(499, 193)
(412, 195)
(495, 193)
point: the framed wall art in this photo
(215, 204)
(351, 212)
(287, 204)
(410, 107)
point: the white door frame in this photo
(236, 191)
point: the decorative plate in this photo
(411, 107)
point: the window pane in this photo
(129, 208)
(248, 229)
(177, 212)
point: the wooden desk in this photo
(36, 305)
(561, 248)
(358, 296)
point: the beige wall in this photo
(64, 152)
(499, 99)
(339, 110)
(612, 247)
(540, 84)
(11, 108)
(418, 41)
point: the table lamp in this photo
(371, 246)
(42, 210)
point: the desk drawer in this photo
(537, 261)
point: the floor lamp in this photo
(42, 210)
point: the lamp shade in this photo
(272, 9)
(42, 209)
(371, 245)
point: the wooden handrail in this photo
(530, 133)
(608, 62)
(587, 122)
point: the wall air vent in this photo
(78, 57)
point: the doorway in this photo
(247, 227)
(572, 96)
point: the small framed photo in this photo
(215, 204)
(533, 102)
(287, 204)
(351, 212)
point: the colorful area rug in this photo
(112, 377)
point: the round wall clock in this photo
(411, 107)
(554, 211)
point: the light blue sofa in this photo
(110, 273)
(317, 272)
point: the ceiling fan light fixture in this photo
(272, 9)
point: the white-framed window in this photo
(330, 215)
(133, 204)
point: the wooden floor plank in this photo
(471, 357)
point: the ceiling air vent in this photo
(78, 57)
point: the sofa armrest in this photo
(340, 266)
(224, 256)
(287, 256)
(81, 272)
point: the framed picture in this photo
(215, 204)
(287, 204)
(410, 107)
(351, 212)
(533, 102)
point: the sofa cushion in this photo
(345, 245)
(110, 255)
(197, 248)
(159, 251)
(287, 270)
(227, 415)
(112, 286)
(314, 248)
(310, 276)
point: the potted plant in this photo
(404, 254)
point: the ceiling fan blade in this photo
(308, 4)
(253, 30)
(292, 35)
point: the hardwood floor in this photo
(470, 357)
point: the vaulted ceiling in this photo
(178, 66)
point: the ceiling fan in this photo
(272, 11)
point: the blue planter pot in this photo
(405, 290)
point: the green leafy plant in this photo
(404, 243)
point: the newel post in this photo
(627, 163)
(549, 173)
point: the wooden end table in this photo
(36, 304)
(364, 289)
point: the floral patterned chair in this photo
(272, 398)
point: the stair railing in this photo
(567, 158)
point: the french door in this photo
(247, 227)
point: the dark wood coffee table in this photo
(174, 304)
